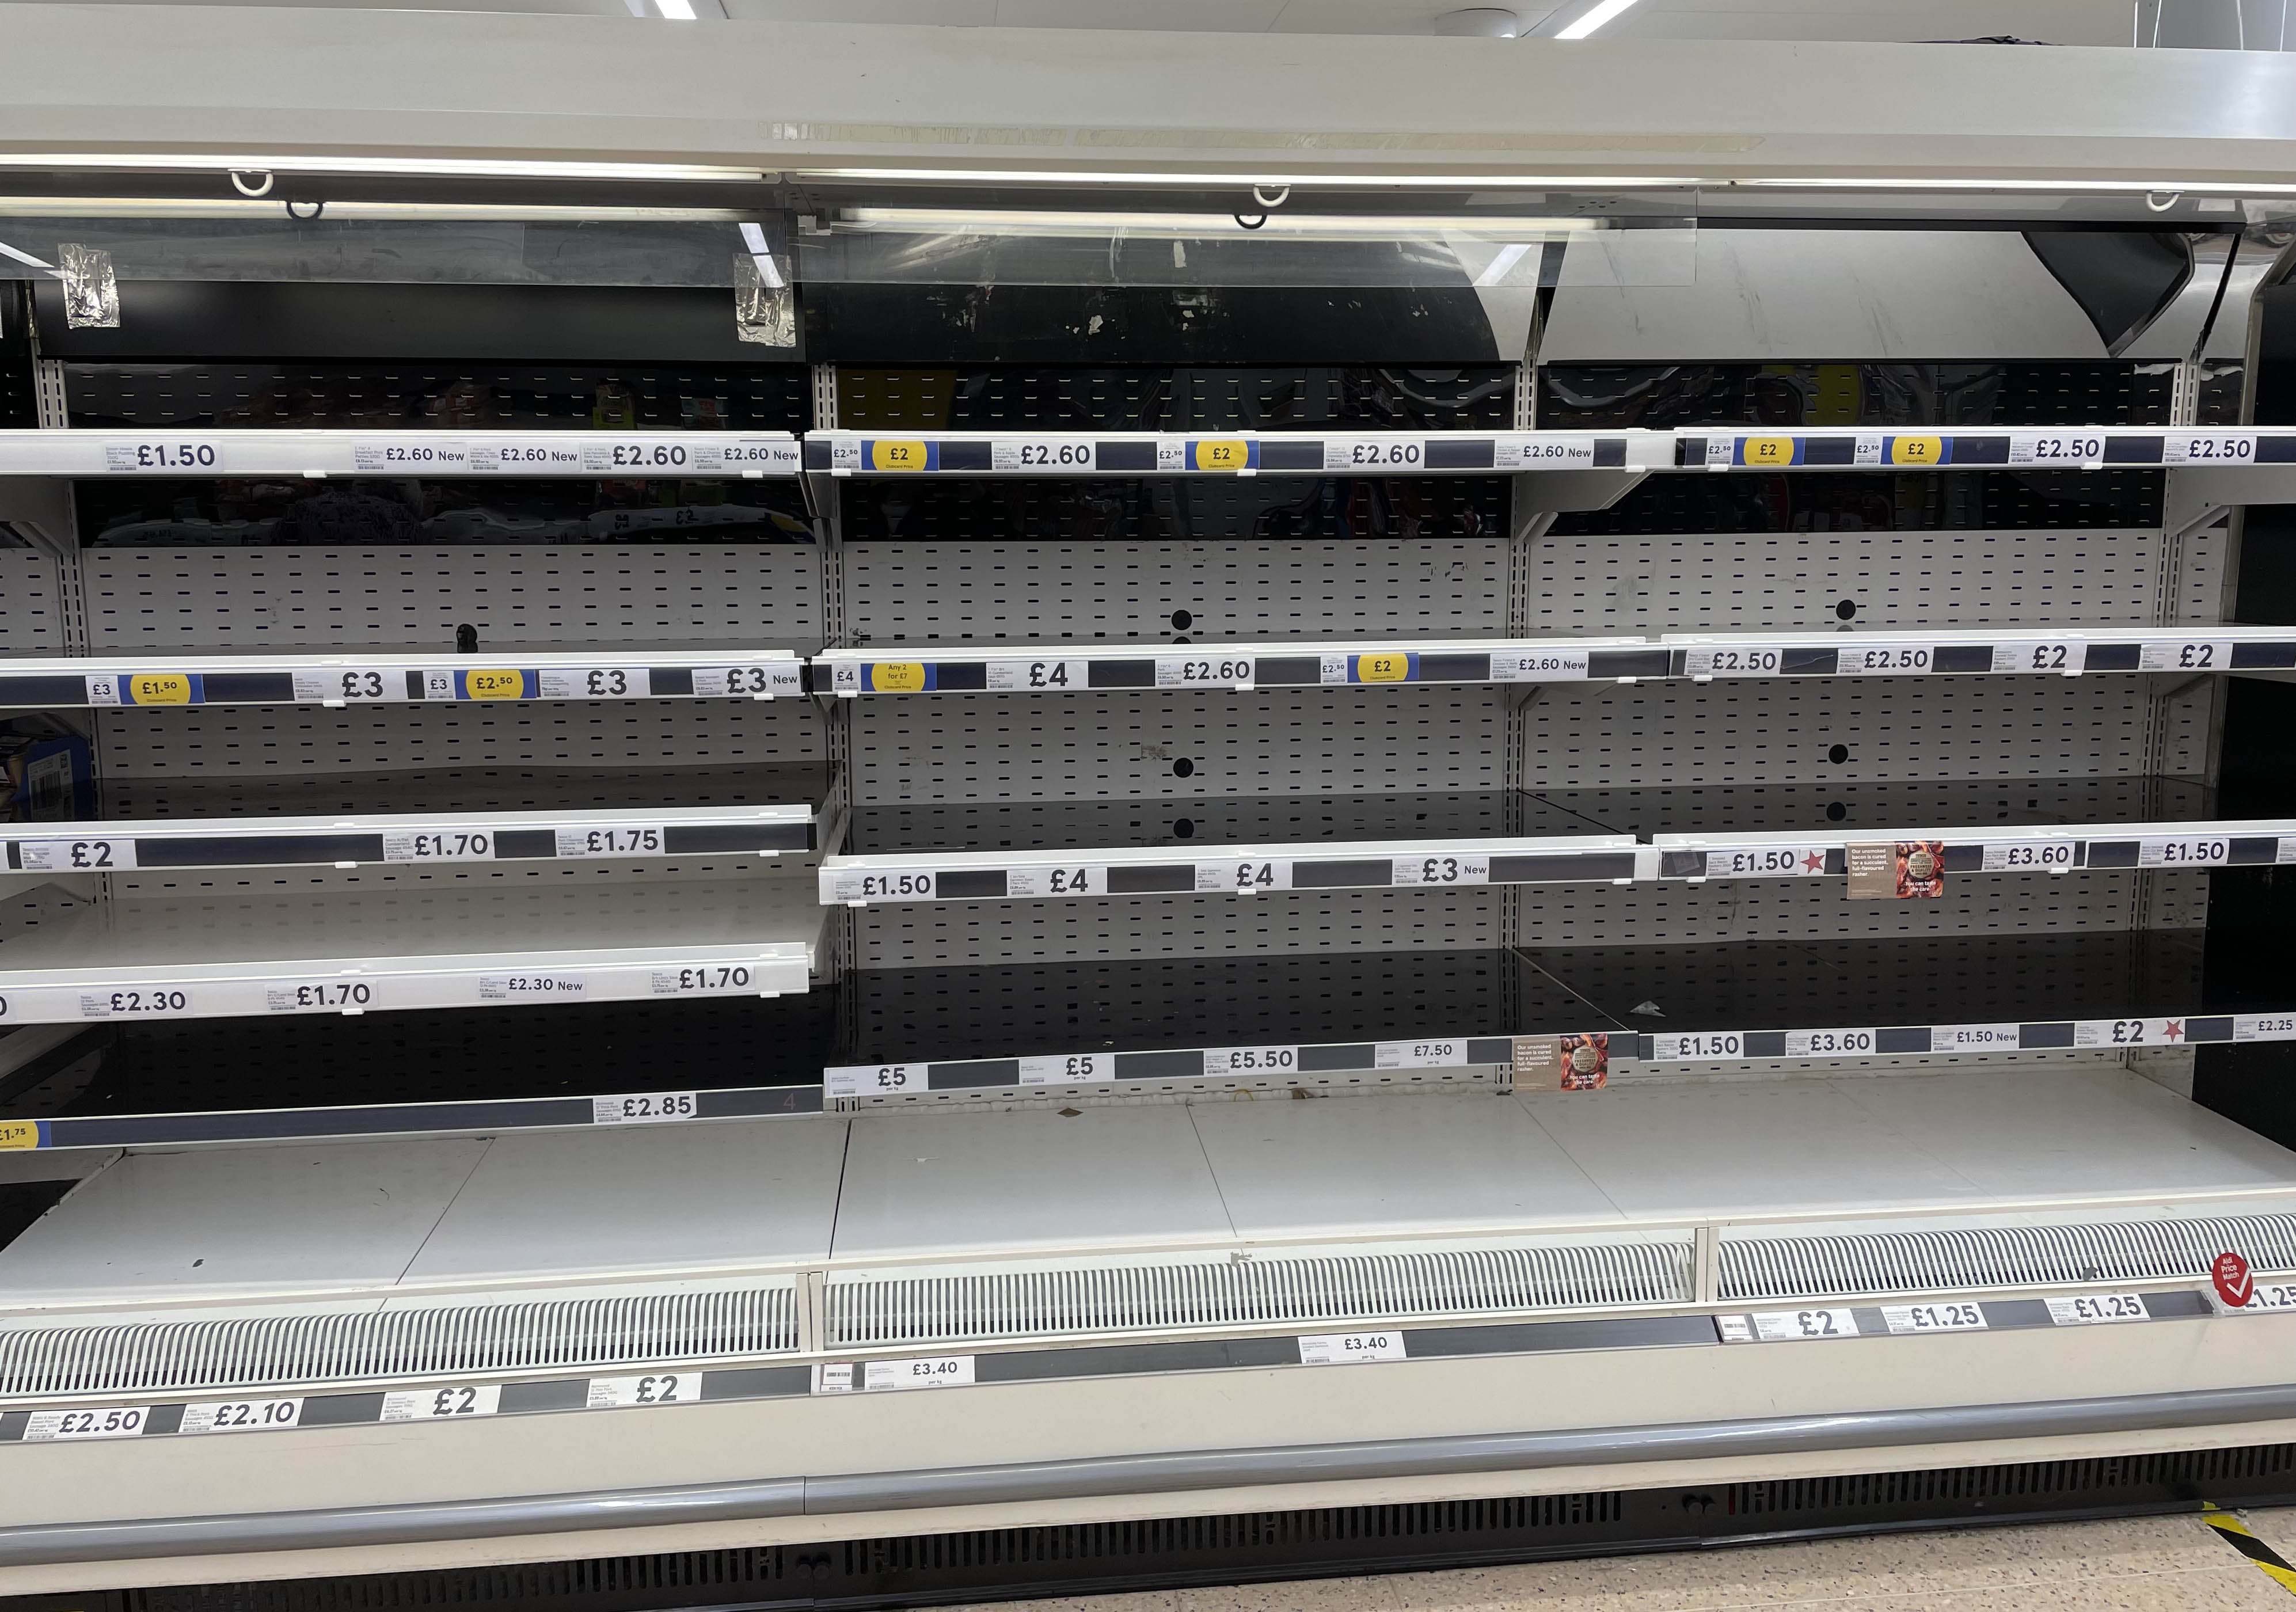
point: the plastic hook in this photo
(316, 209)
(239, 183)
(1282, 195)
(1255, 221)
(2160, 202)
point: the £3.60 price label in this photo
(938, 1372)
(1350, 1348)
(1933, 1318)
(443, 1404)
(655, 1388)
(644, 1108)
(118, 1421)
(1831, 1043)
(2031, 855)
(241, 1416)
(2097, 1309)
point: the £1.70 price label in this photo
(438, 845)
(703, 978)
(319, 996)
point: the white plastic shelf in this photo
(414, 840)
(423, 453)
(1939, 854)
(499, 675)
(198, 957)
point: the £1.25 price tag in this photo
(2097, 1309)
(1961, 1317)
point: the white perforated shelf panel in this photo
(31, 619)
(294, 598)
(278, 740)
(1125, 746)
(960, 593)
(1291, 921)
(1746, 582)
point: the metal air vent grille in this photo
(384, 1344)
(1056, 1301)
(1997, 1257)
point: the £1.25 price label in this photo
(2097, 1309)
(1962, 1317)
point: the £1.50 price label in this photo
(1973, 1038)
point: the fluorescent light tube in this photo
(1589, 22)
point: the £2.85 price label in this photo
(644, 1108)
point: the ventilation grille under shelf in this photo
(1993, 1259)
(891, 1309)
(376, 1345)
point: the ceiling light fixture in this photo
(1589, 20)
(676, 11)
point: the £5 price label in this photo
(76, 856)
(1074, 1068)
(443, 1404)
(241, 1416)
(649, 1388)
(876, 1079)
(1350, 1348)
(646, 1108)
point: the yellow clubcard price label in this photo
(1916, 450)
(1223, 456)
(1766, 450)
(898, 676)
(17, 1134)
(1394, 666)
(160, 688)
(495, 684)
(898, 456)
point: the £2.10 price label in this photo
(241, 1416)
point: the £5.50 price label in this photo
(1250, 1060)
(652, 1389)
(241, 1416)
(443, 1404)
(1350, 1348)
(1962, 1317)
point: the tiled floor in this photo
(2171, 1563)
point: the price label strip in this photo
(895, 1376)
(1350, 1348)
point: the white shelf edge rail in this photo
(418, 839)
(161, 679)
(1914, 862)
(1236, 871)
(1572, 1060)
(321, 453)
(526, 976)
(1415, 453)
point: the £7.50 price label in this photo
(241, 1416)
(1350, 1348)
(443, 1404)
(653, 1388)
(1962, 1317)
(117, 1421)
(2097, 1309)
(1438, 1052)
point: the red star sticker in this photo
(2172, 1029)
(1813, 864)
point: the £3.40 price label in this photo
(1350, 1348)
(937, 1372)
